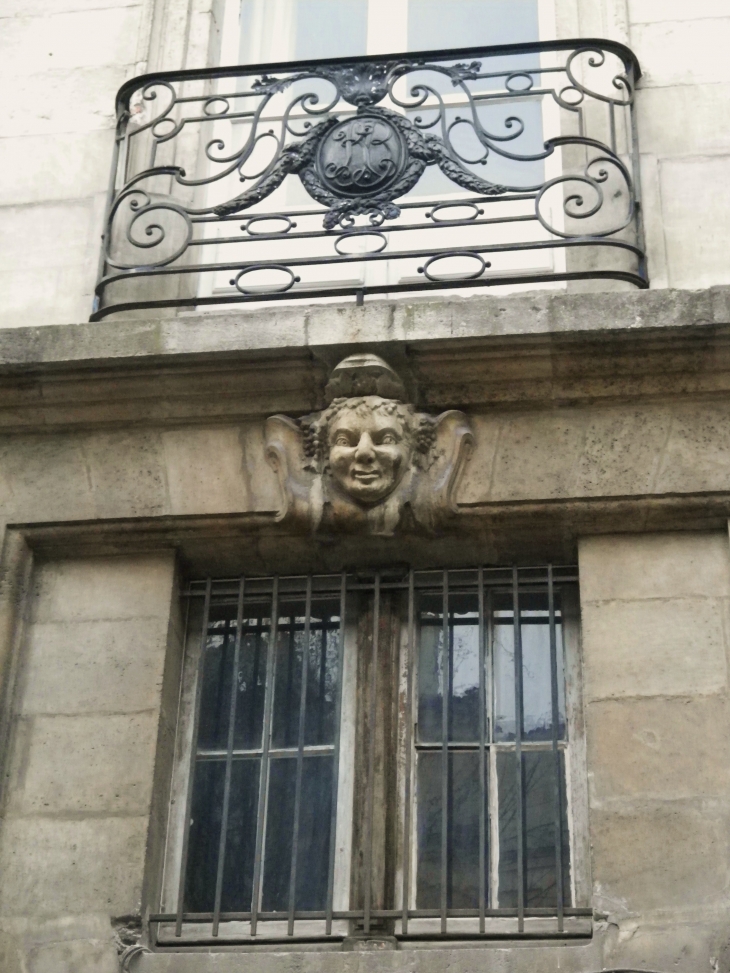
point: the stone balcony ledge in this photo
(325, 329)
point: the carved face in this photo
(369, 451)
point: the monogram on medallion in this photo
(363, 154)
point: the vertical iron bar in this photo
(371, 760)
(612, 121)
(336, 758)
(556, 752)
(229, 761)
(482, 755)
(445, 690)
(193, 761)
(264, 770)
(520, 810)
(410, 665)
(300, 750)
(492, 826)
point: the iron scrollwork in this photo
(508, 133)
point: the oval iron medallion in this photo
(361, 156)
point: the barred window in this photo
(376, 754)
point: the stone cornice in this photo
(523, 351)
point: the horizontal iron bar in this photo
(199, 917)
(501, 50)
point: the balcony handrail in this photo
(552, 194)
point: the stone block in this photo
(656, 11)
(76, 956)
(621, 452)
(682, 120)
(127, 473)
(39, 8)
(661, 749)
(55, 102)
(659, 856)
(695, 203)
(84, 764)
(104, 588)
(51, 167)
(30, 235)
(205, 470)
(683, 52)
(697, 453)
(56, 295)
(537, 456)
(662, 647)
(94, 667)
(56, 866)
(654, 566)
(72, 39)
(46, 476)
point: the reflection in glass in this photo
(538, 769)
(462, 874)
(294, 656)
(462, 674)
(536, 683)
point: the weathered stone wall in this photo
(93, 714)
(655, 613)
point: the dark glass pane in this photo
(241, 837)
(251, 678)
(323, 682)
(216, 686)
(322, 654)
(538, 770)
(205, 826)
(462, 660)
(430, 668)
(463, 831)
(314, 831)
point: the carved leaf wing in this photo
(285, 454)
(435, 498)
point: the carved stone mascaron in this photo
(368, 462)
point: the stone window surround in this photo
(576, 782)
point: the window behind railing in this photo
(377, 755)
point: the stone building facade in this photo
(583, 426)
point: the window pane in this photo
(536, 684)
(462, 660)
(216, 688)
(206, 817)
(279, 30)
(323, 676)
(538, 770)
(437, 24)
(314, 832)
(251, 679)
(205, 826)
(241, 837)
(463, 810)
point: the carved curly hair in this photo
(315, 428)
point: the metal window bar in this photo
(519, 717)
(486, 584)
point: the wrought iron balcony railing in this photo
(374, 175)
